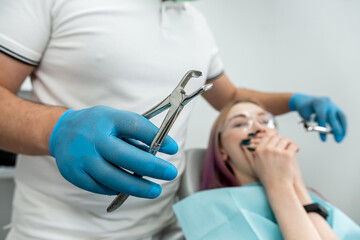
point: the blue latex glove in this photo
(326, 112)
(89, 144)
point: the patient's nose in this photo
(256, 126)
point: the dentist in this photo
(95, 66)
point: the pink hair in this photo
(215, 172)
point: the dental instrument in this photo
(176, 102)
(312, 126)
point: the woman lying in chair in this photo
(272, 203)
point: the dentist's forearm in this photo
(26, 127)
(224, 91)
(276, 103)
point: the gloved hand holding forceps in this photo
(176, 102)
(324, 110)
(103, 145)
(90, 152)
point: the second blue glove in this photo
(326, 112)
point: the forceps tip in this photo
(195, 73)
(110, 208)
(207, 86)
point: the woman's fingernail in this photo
(245, 141)
(251, 149)
(253, 134)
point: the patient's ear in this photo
(222, 151)
(226, 158)
(223, 154)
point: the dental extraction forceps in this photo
(311, 126)
(176, 102)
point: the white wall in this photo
(308, 46)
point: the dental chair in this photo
(191, 179)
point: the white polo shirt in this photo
(127, 54)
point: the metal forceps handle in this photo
(121, 197)
(176, 102)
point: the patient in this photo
(246, 150)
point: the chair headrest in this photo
(191, 179)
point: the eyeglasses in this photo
(245, 121)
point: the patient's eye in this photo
(264, 120)
(241, 124)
